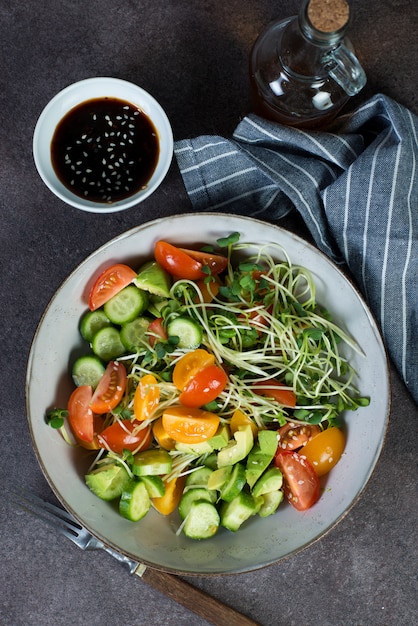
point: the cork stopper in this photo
(328, 16)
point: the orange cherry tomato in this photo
(325, 450)
(125, 435)
(80, 414)
(209, 290)
(156, 331)
(205, 386)
(109, 283)
(110, 389)
(277, 391)
(301, 484)
(239, 418)
(161, 436)
(189, 365)
(173, 492)
(189, 425)
(146, 398)
(187, 264)
(293, 436)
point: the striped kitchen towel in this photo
(356, 189)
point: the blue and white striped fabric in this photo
(356, 188)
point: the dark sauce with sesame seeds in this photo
(105, 150)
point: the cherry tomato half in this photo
(204, 387)
(146, 398)
(277, 391)
(156, 331)
(189, 365)
(325, 450)
(301, 484)
(293, 436)
(187, 264)
(215, 262)
(125, 435)
(189, 425)
(110, 389)
(80, 414)
(109, 283)
(173, 492)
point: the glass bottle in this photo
(303, 69)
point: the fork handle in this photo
(212, 610)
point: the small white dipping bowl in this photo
(71, 97)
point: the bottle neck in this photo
(323, 24)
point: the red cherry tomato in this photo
(110, 389)
(325, 450)
(80, 414)
(277, 391)
(301, 484)
(187, 264)
(156, 331)
(109, 283)
(125, 435)
(204, 387)
(215, 262)
(293, 436)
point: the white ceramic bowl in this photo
(80, 92)
(153, 540)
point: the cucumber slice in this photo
(88, 370)
(152, 462)
(199, 478)
(107, 345)
(135, 502)
(189, 332)
(192, 495)
(270, 503)
(108, 481)
(91, 322)
(202, 521)
(132, 334)
(271, 480)
(126, 305)
(236, 512)
(234, 484)
(154, 485)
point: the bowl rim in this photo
(383, 419)
(84, 90)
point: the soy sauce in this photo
(105, 150)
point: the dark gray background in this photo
(192, 56)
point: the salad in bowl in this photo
(214, 393)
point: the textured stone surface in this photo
(192, 56)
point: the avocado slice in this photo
(154, 279)
(220, 438)
(108, 481)
(261, 455)
(238, 448)
(270, 480)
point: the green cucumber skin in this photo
(126, 305)
(189, 332)
(107, 345)
(135, 502)
(87, 370)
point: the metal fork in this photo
(212, 610)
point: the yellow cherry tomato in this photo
(167, 503)
(239, 418)
(163, 439)
(189, 425)
(324, 450)
(146, 398)
(189, 365)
